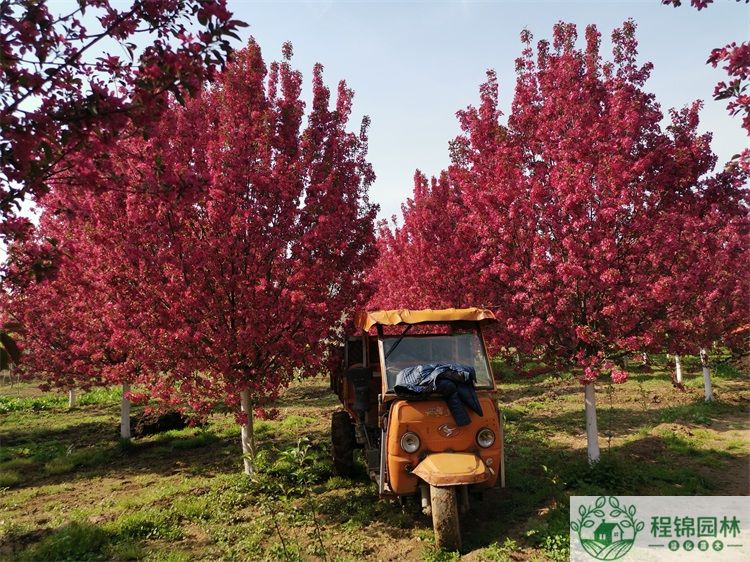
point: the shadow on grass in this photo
(57, 456)
(77, 540)
(90, 450)
(315, 394)
(84, 433)
(540, 479)
(622, 422)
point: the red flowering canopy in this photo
(221, 253)
(594, 232)
(425, 262)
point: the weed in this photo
(337, 483)
(77, 459)
(286, 551)
(203, 438)
(440, 555)
(150, 524)
(44, 451)
(75, 541)
(18, 463)
(557, 547)
(169, 556)
(101, 396)
(551, 533)
(290, 472)
(243, 541)
(699, 412)
(512, 414)
(9, 478)
(726, 371)
(609, 475)
(11, 531)
(13, 404)
(294, 423)
(194, 508)
(697, 446)
(125, 550)
(499, 553)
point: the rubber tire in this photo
(444, 505)
(342, 444)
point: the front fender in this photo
(452, 469)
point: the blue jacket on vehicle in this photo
(420, 379)
(454, 382)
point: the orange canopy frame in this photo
(366, 320)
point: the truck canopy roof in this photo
(365, 320)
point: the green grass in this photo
(497, 552)
(698, 412)
(8, 477)
(439, 555)
(11, 404)
(51, 401)
(74, 541)
(69, 486)
(151, 524)
(74, 460)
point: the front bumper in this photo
(452, 469)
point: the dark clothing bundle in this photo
(454, 382)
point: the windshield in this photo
(466, 349)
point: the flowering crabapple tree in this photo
(597, 196)
(66, 310)
(586, 213)
(232, 241)
(422, 263)
(716, 231)
(74, 79)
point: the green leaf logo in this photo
(607, 529)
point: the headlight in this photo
(410, 442)
(485, 437)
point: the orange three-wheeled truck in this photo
(412, 444)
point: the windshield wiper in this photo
(398, 341)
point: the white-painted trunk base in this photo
(592, 432)
(708, 389)
(72, 398)
(678, 368)
(248, 437)
(125, 412)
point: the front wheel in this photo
(445, 517)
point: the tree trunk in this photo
(248, 437)
(125, 412)
(678, 368)
(72, 398)
(709, 391)
(592, 433)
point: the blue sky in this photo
(414, 64)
